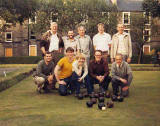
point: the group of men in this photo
(56, 69)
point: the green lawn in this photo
(20, 105)
(19, 68)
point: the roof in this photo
(129, 5)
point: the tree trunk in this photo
(140, 55)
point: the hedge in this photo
(20, 60)
(147, 59)
(14, 80)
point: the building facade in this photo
(19, 40)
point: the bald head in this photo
(120, 28)
(54, 27)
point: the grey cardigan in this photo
(124, 71)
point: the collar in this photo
(124, 33)
(80, 36)
(53, 34)
(101, 34)
(69, 39)
(120, 65)
(98, 62)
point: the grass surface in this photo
(19, 68)
(20, 105)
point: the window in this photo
(32, 50)
(32, 35)
(146, 35)
(146, 49)
(126, 18)
(147, 18)
(8, 36)
(8, 52)
(9, 22)
(32, 20)
(127, 30)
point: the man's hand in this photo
(125, 88)
(123, 80)
(128, 60)
(98, 78)
(62, 82)
(101, 78)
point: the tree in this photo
(17, 10)
(151, 6)
(71, 13)
(137, 32)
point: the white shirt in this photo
(101, 41)
(54, 43)
(121, 46)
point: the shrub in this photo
(20, 60)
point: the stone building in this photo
(19, 40)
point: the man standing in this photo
(99, 72)
(63, 72)
(121, 76)
(102, 41)
(52, 42)
(84, 43)
(44, 74)
(70, 41)
(121, 43)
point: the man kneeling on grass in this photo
(121, 76)
(44, 76)
(63, 72)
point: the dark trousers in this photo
(64, 89)
(77, 84)
(116, 84)
(103, 85)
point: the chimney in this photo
(114, 2)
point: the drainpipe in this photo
(28, 36)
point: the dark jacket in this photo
(97, 69)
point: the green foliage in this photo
(20, 60)
(137, 32)
(152, 7)
(18, 10)
(14, 80)
(146, 59)
(70, 13)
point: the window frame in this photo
(30, 49)
(123, 18)
(147, 46)
(10, 40)
(149, 36)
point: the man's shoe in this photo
(125, 93)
